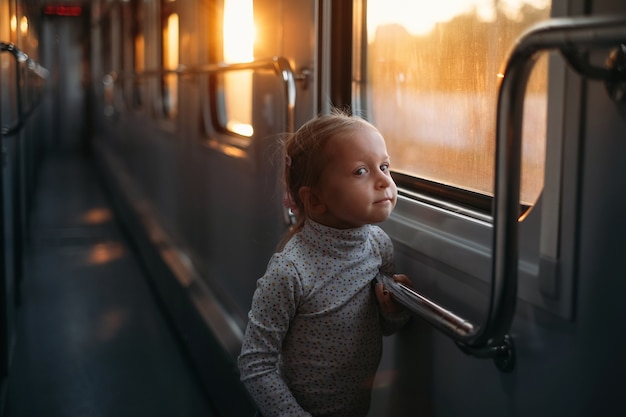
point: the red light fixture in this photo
(62, 10)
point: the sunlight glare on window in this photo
(172, 41)
(139, 53)
(432, 77)
(239, 31)
(418, 20)
(239, 34)
(24, 25)
(171, 61)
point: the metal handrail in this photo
(21, 57)
(280, 65)
(491, 338)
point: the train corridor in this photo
(91, 339)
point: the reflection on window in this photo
(139, 53)
(170, 62)
(236, 114)
(139, 68)
(432, 80)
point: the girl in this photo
(314, 336)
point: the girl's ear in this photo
(313, 204)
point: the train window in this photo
(430, 80)
(107, 41)
(8, 111)
(170, 35)
(139, 53)
(235, 106)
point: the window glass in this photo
(139, 53)
(430, 85)
(238, 46)
(170, 62)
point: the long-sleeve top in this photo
(314, 335)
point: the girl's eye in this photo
(360, 171)
(384, 167)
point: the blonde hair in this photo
(304, 157)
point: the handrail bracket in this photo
(502, 352)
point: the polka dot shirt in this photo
(314, 335)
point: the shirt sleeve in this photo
(390, 323)
(274, 305)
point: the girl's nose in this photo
(384, 180)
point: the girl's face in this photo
(356, 187)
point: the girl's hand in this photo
(385, 300)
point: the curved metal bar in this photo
(280, 65)
(8, 131)
(555, 34)
(433, 312)
(491, 339)
(21, 57)
(18, 54)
